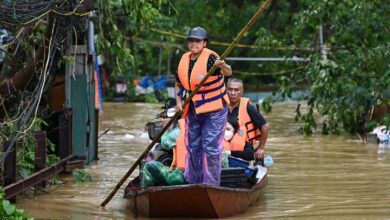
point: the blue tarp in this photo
(160, 82)
(4, 39)
(146, 81)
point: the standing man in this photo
(205, 117)
(252, 125)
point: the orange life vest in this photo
(210, 95)
(235, 144)
(247, 131)
(226, 145)
(180, 151)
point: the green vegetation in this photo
(26, 147)
(9, 211)
(147, 37)
(26, 150)
(81, 176)
(344, 85)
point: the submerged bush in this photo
(8, 210)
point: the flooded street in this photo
(328, 177)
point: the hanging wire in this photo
(281, 72)
(227, 44)
(18, 13)
(34, 104)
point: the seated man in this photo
(252, 127)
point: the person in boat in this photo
(252, 126)
(232, 145)
(205, 116)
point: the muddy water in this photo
(317, 177)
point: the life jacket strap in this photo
(180, 93)
(220, 77)
(250, 130)
(211, 90)
(204, 101)
(204, 92)
(251, 141)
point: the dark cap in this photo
(197, 33)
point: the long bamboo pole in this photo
(211, 71)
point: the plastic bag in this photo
(268, 161)
(156, 174)
(152, 174)
(237, 162)
(225, 160)
(168, 140)
(261, 171)
(174, 177)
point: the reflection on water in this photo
(328, 177)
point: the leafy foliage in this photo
(81, 176)
(119, 22)
(356, 75)
(26, 149)
(8, 210)
(343, 87)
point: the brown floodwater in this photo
(316, 177)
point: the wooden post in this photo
(40, 152)
(160, 60)
(169, 62)
(9, 174)
(96, 133)
(64, 133)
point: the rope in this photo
(45, 75)
(32, 11)
(25, 116)
(219, 43)
(270, 73)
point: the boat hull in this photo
(192, 200)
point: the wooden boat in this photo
(192, 200)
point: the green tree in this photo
(356, 75)
(343, 87)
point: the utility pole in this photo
(160, 60)
(323, 48)
(169, 62)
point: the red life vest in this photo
(210, 95)
(247, 131)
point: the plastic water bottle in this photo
(261, 171)
(268, 161)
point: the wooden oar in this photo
(174, 118)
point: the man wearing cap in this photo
(205, 116)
